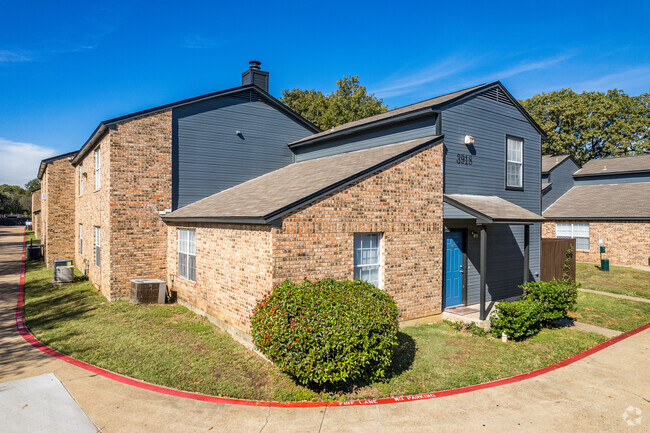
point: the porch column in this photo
(526, 251)
(483, 269)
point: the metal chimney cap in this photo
(254, 64)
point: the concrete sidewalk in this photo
(590, 395)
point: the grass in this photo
(171, 346)
(608, 312)
(619, 280)
(29, 236)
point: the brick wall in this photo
(626, 242)
(57, 210)
(233, 270)
(404, 203)
(136, 183)
(92, 210)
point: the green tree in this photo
(14, 200)
(592, 125)
(349, 102)
(33, 185)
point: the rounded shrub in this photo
(327, 332)
(518, 320)
(555, 298)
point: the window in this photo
(98, 170)
(81, 179)
(367, 258)
(187, 254)
(81, 239)
(514, 162)
(579, 232)
(98, 244)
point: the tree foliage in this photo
(33, 185)
(15, 200)
(349, 102)
(592, 125)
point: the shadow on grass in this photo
(403, 358)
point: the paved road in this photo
(590, 395)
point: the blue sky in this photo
(65, 66)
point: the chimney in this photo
(254, 75)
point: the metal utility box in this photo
(148, 291)
(34, 252)
(64, 274)
(62, 263)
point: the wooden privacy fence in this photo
(554, 259)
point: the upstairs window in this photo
(367, 258)
(579, 232)
(81, 179)
(98, 170)
(514, 162)
(187, 254)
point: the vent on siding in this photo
(497, 95)
(247, 95)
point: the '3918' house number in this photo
(463, 159)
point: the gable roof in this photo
(549, 162)
(408, 111)
(266, 198)
(599, 202)
(615, 165)
(45, 162)
(104, 125)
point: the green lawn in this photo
(609, 312)
(171, 346)
(29, 236)
(620, 280)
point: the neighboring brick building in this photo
(36, 214)
(609, 201)
(57, 207)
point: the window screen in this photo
(187, 254)
(579, 232)
(367, 258)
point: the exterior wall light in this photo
(469, 140)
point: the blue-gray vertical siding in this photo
(423, 127)
(208, 155)
(612, 178)
(561, 179)
(489, 122)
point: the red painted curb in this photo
(22, 329)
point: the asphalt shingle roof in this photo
(491, 208)
(265, 197)
(549, 162)
(621, 164)
(618, 201)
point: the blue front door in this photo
(453, 269)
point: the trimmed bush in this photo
(518, 320)
(555, 298)
(327, 332)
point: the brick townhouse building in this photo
(36, 213)
(224, 195)
(608, 201)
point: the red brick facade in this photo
(237, 264)
(626, 242)
(57, 209)
(136, 182)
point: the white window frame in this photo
(98, 246)
(187, 254)
(573, 231)
(81, 239)
(378, 264)
(81, 179)
(514, 162)
(98, 169)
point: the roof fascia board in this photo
(422, 112)
(523, 111)
(222, 220)
(265, 95)
(613, 173)
(280, 213)
(480, 217)
(579, 218)
(45, 162)
(562, 162)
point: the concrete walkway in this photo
(590, 395)
(615, 295)
(570, 323)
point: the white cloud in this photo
(19, 162)
(195, 41)
(526, 66)
(13, 56)
(632, 81)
